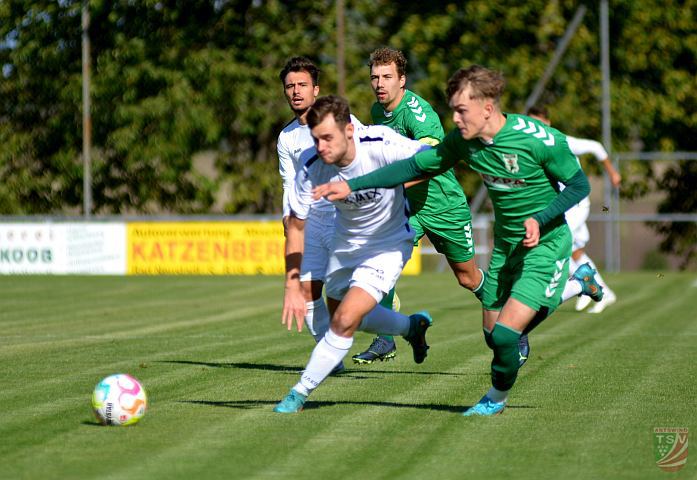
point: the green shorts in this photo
(450, 232)
(533, 276)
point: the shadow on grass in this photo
(311, 405)
(92, 423)
(363, 373)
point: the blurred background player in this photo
(438, 207)
(516, 157)
(373, 242)
(577, 215)
(300, 79)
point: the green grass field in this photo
(214, 359)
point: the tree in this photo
(174, 78)
(653, 61)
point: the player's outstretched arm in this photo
(294, 307)
(331, 191)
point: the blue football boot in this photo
(293, 403)
(417, 335)
(585, 274)
(486, 407)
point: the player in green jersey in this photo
(438, 206)
(521, 161)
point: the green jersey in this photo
(520, 168)
(416, 119)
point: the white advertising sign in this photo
(60, 248)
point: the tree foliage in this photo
(173, 78)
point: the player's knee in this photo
(312, 290)
(344, 322)
(503, 338)
(468, 280)
(306, 289)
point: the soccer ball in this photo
(119, 400)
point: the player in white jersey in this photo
(300, 78)
(373, 241)
(576, 216)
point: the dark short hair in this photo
(485, 83)
(387, 55)
(300, 64)
(330, 104)
(539, 111)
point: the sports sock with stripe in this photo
(326, 355)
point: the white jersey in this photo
(582, 146)
(295, 146)
(378, 216)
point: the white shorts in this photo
(319, 244)
(375, 271)
(576, 217)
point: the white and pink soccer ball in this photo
(119, 400)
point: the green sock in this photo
(506, 362)
(388, 299)
(387, 303)
(488, 339)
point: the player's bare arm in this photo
(612, 173)
(294, 306)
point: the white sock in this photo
(383, 320)
(586, 259)
(573, 265)
(317, 318)
(573, 288)
(498, 396)
(326, 355)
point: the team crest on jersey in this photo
(510, 160)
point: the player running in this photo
(437, 205)
(372, 243)
(577, 215)
(521, 161)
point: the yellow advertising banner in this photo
(212, 248)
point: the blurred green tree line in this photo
(173, 78)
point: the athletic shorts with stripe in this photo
(450, 232)
(534, 276)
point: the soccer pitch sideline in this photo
(214, 359)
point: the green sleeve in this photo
(432, 161)
(388, 176)
(577, 188)
(419, 120)
(430, 128)
(442, 157)
(558, 161)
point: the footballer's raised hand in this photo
(294, 307)
(331, 191)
